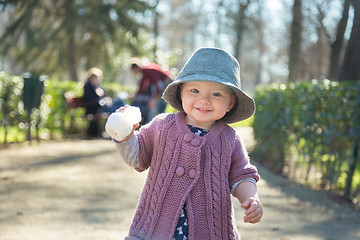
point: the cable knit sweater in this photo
(186, 168)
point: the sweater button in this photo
(195, 142)
(188, 137)
(192, 173)
(180, 171)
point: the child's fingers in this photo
(246, 204)
(120, 109)
(252, 219)
(254, 205)
(136, 126)
(254, 213)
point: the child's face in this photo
(205, 102)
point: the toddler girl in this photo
(195, 160)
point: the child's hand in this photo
(254, 210)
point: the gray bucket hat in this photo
(215, 65)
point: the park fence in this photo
(309, 131)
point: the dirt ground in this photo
(78, 189)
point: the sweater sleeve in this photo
(241, 168)
(129, 151)
(148, 136)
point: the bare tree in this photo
(350, 69)
(295, 44)
(240, 26)
(179, 26)
(155, 28)
(336, 46)
(316, 54)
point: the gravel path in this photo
(78, 189)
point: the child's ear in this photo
(232, 103)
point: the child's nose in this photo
(204, 98)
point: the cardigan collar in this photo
(189, 136)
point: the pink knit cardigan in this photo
(185, 168)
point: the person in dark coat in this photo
(96, 102)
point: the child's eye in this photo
(194, 90)
(216, 94)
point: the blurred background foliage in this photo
(53, 119)
(275, 41)
(65, 36)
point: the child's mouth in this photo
(203, 109)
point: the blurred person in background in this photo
(96, 102)
(153, 81)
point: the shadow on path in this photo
(49, 161)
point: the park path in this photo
(79, 190)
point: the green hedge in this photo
(52, 119)
(309, 131)
(11, 107)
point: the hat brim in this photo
(243, 109)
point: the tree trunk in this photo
(337, 44)
(350, 69)
(239, 24)
(219, 23)
(319, 57)
(295, 45)
(72, 59)
(156, 29)
(350, 174)
(71, 46)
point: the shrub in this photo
(309, 130)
